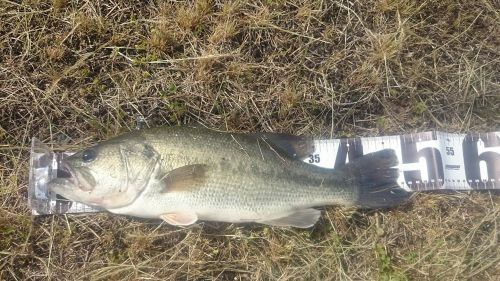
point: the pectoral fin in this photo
(180, 218)
(302, 219)
(184, 178)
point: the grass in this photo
(75, 72)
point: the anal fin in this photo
(304, 218)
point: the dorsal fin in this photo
(296, 147)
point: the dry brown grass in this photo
(74, 72)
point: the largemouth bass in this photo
(184, 174)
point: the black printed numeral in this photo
(450, 151)
(314, 158)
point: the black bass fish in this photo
(184, 174)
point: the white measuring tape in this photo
(428, 161)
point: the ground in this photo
(76, 72)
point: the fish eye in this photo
(88, 155)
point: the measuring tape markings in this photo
(428, 161)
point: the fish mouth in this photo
(66, 172)
(72, 175)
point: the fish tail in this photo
(375, 177)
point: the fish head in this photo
(107, 175)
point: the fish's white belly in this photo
(150, 205)
(155, 208)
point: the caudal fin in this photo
(376, 178)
